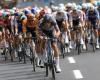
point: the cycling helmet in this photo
(74, 6)
(91, 8)
(61, 6)
(54, 8)
(27, 11)
(84, 6)
(89, 5)
(34, 10)
(69, 5)
(47, 17)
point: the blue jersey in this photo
(92, 16)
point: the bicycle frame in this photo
(50, 59)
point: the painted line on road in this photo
(77, 74)
(71, 60)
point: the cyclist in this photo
(30, 24)
(1, 22)
(7, 22)
(50, 28)
(92, 16)
(62, 21)
(77, 22)
(19, 18)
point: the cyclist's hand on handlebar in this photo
(41, 37)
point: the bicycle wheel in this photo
(32, 54)
(93, 46)
(63, 52)
(24, 56)
(93, 42)
(79, 50)
(53, 71)
(78, 45)
(5, 54)
(33, 62)
(46, 66)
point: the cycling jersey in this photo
(75, 18)
(92, 16)
(30, 24)
(48, 30)
(53, 25)
(60, 17)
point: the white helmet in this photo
(60, 9)
(91, 7)
(61, 6)
(69, 5)
(74, 5)
(84, 5)
(55, 8)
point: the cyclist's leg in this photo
(55, 48)
(82, 37)
(56, 55)
(95, 27)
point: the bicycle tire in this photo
(53, 71)
(33, 59)
(33, 62)
(93, 46)
(63, 53)
(5, 53)
(24, 56)
(46, 66)
(79, 48)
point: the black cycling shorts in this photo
(49, 33)
(94, 25)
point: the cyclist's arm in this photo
(70, 20)
(97, 16)
(24, 22)
(57, 29)
(65, 21)
(36, 25)
(87, 20)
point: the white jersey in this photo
(60, 17)
(74, 17)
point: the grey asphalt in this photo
(88, 63)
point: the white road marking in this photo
(77, 74)
(71, 60)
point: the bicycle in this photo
(49, 64)
(92, 38)
(78, 40)
(29, 52)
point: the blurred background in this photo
(24, 3)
